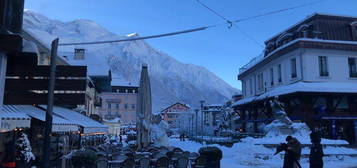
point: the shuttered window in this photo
(323, 66)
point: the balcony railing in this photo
(251, 63)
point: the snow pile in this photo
(247, 155)
(300, 131)
(158, 134)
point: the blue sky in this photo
(221, 50)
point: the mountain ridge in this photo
(171, 80)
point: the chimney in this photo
(79, 54)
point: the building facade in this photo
(212, 117)
(120, 102)
(175, 113)
(311, 66)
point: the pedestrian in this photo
(316, 151)
(120, 138)
(183, 137)
(292, 153)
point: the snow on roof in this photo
(115, 120)
(11, 112)
(40, 114)
(214, 105)
(318, 87)
(303, 20)
(89, 125)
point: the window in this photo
(323, 66)
(293, 68)
(251, 86)
(117, 106)
(279, 73)
(260, 82)
(352, 67)
(244, 89)
(133, 106)
(126, 106)
(355, 31)
(109, 106)
(271, 76)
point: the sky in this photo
(221, 50)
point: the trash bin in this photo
(213, 155)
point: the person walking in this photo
(292, 153)
(316, 151)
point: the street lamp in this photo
(202, 102)
(196, 110)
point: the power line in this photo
(230, 24)
(227, 21)
(277, 11)
(140, 38)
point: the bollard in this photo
(213, 155)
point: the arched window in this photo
(354, 30)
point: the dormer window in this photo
(354, 30)
(284, 38)
(304, 31)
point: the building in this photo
(172, 113)
(119, 102)
(212, 117)
(312, 68)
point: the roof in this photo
(307, 19)
(40, 114)
(123, 89)
(42, 47)
(89, 125)
(11, 112)
(176, 104)
(314, 87)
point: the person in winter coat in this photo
(316, 152)
(292, 153)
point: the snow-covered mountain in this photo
(171, 80)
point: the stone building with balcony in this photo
(312, 68)
(119, 102)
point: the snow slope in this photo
(171, 80)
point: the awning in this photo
(89, 126)
(11, 118)
(308, 87)
(58, 124)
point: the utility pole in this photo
(196, 110)
(202, 102)
(50, 101)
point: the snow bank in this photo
(247, 155)
(299, 130)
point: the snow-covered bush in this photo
(24, 149)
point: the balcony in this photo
(251, 63)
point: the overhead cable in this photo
(139, 38)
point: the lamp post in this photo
(196, 110)
(202, 102)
